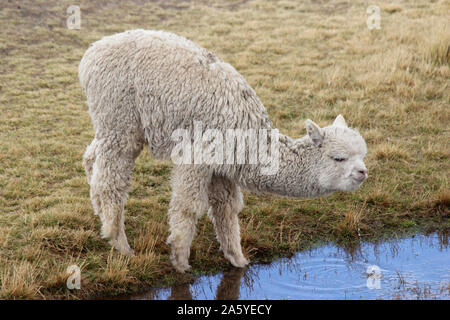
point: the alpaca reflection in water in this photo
(228, 288)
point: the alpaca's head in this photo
(341, 151)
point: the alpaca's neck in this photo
(296, 175)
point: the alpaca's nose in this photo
(363, 171)
(362, 174)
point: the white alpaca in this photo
(142, 85)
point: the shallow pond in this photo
(412, 268)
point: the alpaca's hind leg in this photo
(110, 182)
(88, 164)
(225, 200)
(189, 201)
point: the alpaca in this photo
(142, 86)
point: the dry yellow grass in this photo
(305, 59)
(389, 151)
(116, 270)
(19, 282)
(444, 197)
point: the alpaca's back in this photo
(150, 83)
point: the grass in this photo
(309, 59)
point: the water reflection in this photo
(411, 268)
(228, 288)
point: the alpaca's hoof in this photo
(123, 248)
(182, 268)
(128, 252)
(179, 256)
(239, 261)
(179, 262)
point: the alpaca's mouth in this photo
(360, 179)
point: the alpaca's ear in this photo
(340, 121)
(314, 132)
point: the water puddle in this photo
(410, 268)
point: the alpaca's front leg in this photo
(189, 201)
(182, 223)
(225, 199)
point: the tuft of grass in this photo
(117, 268)
(444, 197)
(437, 50)
(350, 227)
(391, 8)
(19, 282)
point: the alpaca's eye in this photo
(339, 159)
